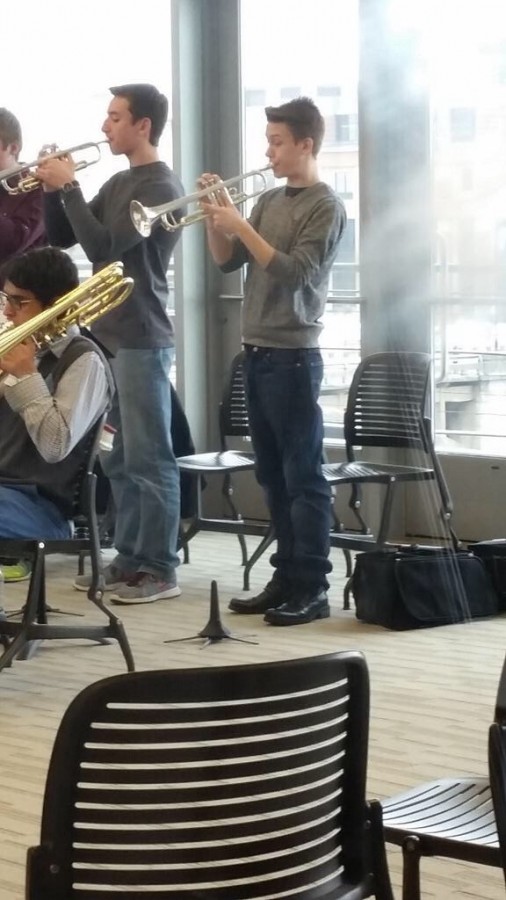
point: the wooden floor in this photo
(432, 694)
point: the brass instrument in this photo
(29, 181)
(97, 295)
(145, 217)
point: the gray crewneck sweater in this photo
(105, 231)
(284, 302)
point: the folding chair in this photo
(19, 637)
(454, 818)
(231, 783)
(386, 409)
(233, 423)
(497, 769)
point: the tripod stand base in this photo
(215, 630)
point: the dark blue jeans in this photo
(25, 514)
(282, 389)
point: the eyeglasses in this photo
(16, 301)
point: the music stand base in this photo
(215, 630)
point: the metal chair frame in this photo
(386, 409)
(460, 818)
(228, 783)
(233, 423)
(20, 638)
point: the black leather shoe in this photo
(305, 608)
(274, 594)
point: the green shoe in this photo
(19, 571)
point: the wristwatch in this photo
(70, 186)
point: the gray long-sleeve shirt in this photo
(105, 231)
(284, 302)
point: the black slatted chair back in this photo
(234, 783)
(233, 414)
(387, 401)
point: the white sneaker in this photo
(146, 588)
(115, 579)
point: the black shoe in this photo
(274, 594)
(304, 608)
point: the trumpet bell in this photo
(170, 215)
(142, 217)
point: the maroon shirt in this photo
(21, 223)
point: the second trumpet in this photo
(21, 178)
(171, 216)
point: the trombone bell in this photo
(170, 215)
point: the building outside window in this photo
(468, 99)
(62, 96)
(325, 48)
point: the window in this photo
(344, 184)
(342, 129)
(325, 46)
(254, 98)
(462, 124)
(288, 93)
(469, 200)
(112, 45)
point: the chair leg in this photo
(411, 854)
(267, 539)
(382, 884)
(347, 593)
(244, 549)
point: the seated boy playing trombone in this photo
(49, 399)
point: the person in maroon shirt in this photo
(21, 219)
(21, 228)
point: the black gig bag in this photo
(420, 587)
(493, 555)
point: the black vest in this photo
(21, 462)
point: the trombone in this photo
(81, 306)
(29, 181)
(145, 217)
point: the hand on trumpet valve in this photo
(55, 172)
(220, 212)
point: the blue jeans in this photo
(141, 466)
(25, 514)
(286, 424)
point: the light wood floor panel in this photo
(432, 694)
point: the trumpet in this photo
(28, 182)
(145, 217)
(97, 295)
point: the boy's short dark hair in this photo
(145, 101)
(302, 117)
(48, 273)
(10, 129)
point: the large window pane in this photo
(284, 56)
(59, 82)
(466, 45)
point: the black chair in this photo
(233, 423)
(455, 818)
(19, 638)
(230, 783)
(387, 409)
(497, 769)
